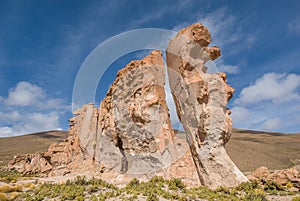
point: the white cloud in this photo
(221, 26)
(273, 87)
(24, 94)
(27, 109)
(10, 116)
(240, 114)
(34, 122)
(31, 122)
(271, 103)
(6, 131)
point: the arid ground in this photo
(248, 149)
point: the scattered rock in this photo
(262, 172)
(282, 177)
(31, 163)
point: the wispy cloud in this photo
(227, 32)
(226, 29)
(159, 13)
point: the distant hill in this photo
(251, 149)
(28, 144)
(248, 149)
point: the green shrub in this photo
(93, 188)
(80, 198)
(175, 184)
(94, 198)
(9, 176)
(272, 185)
(80, 180)
(134, 183)
(152, 197)
(297, 198)
(256, 195)
(154, 189)
(101, 197)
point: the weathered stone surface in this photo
(283, 177)
(31, 163)
(65, 157)
(135, 135)
(201, 100)
(129, 136)
(262, 172)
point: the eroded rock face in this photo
(134, 112)
(135, 135)
(201, 101)
(129, 136)
(31, 163)
(282, 177)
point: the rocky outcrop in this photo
(201, 101)
(31, 163)
(134, 133)
(282, 177)
(129, 136)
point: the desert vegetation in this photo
(14, 186)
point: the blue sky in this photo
(43, 44)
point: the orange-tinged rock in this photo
(201, 100)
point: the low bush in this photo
(156, 188)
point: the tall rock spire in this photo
(201, 101)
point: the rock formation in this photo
(130, 134)
(282, 177)
(201, 100)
